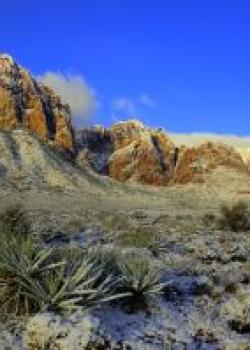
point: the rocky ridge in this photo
(130, 151)
(25, 102)
(127, 151)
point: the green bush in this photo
(235, 217)
(22, 264)
(76, 287)
(135, 278)
(139, 280)
(33, 278)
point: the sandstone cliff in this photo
(25, 102)
(129, 151)
(195, 162)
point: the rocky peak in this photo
(195, 162)
(26, 103)
(130, 151)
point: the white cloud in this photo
(240, 143)
(147, 101)
(132, 107)
(74, 90)
(194, 139)
(124, 105)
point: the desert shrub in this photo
(106, 258)
(14, 219)
(236, 217)
(75, 287)
(139, 237)
(21, 266)
(139, 280)
(136, 280)
(32, 278)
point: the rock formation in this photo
(129, 151)
(194, 162)
(25, 102)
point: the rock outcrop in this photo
(25, 102)
(129, 151)
(195, 162)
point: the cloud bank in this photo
(240, 143)
(74, 90)
(194, 139)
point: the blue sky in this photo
(180, 64)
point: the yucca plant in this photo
(21, 265)
(33, 278)
(77, 286)
(139, 280)
(106, 258)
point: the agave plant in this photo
(77, 288)
(32, 278)
(139, 279)
(21, 265)
(106, 258)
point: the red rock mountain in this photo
(25, 102)
(195, 162)
(129, 151)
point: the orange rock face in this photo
(132, 153)
(141, 154)
(129, 151)
(195, 162)
(25, 102)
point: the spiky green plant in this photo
(139, 279)
(106, 258)
(77, 286)
(32, 278)
(21, 265)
